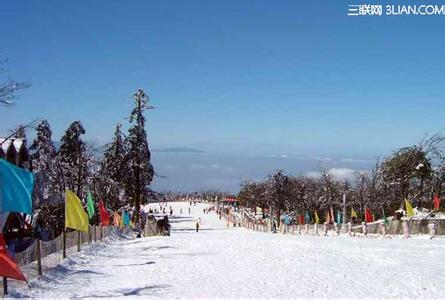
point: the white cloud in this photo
(354, 160)
(324, 159)
(222, 168)
(313, 174)
(341, 173)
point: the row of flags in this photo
(77, 218)
(369, 217)
(16, 188)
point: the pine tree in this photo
(72, 159)
(43, 154)
(140, 170)
(113, 171)
(20, 132)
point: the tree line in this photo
(416, 173)
(119, 173)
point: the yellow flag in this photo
(317, 219)
(409, 208)
(353, 213)
(117, 219)
(122, 220)
(75, 215)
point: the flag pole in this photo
(5, 285)
(64, 232)
(343, 226)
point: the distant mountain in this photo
(178, 150)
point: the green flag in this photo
(90, 205)
(385, 219)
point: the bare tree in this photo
(9, 87)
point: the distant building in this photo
(14, 150)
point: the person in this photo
(171, 211)
(197, 226)
(274, 227)
(180, 211)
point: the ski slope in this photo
(236, 262)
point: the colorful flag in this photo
(286, 220)
(126, 218)
(317, 219)
(436, 202)
(116, 219)
(409, 208)
(75, 215)
(385, 219)
(307, 217)
(328, 217)
(301, 219)
(16, 186)
(338, 217)
(90, 205)
(8, 267)
(103, 214)
(353, 213)
(368, 215)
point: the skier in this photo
(189, 210)
(180, 211)
(171, 211)
(197, 226)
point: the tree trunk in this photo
(137, 200)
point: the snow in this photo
(222, 261)
(5, 144)
(18, 143)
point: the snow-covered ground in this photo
(236, 262)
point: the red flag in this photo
(368, 215)
(331, 215)
(104, 214)
(8, 267)
(436, 202)
(301, 219)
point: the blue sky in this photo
(247, 74)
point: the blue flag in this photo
(338, 217)
(307, 217)
(126, 218)
(16, 186)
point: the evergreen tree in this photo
(140, 171)
(113, 171)
(20, 132)
(72, 159)
(43, 154)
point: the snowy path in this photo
(235, 262)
